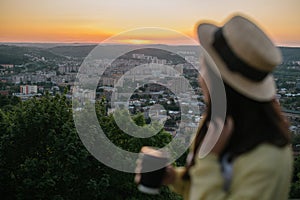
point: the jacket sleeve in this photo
(261, 174)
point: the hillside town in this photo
(162, 80)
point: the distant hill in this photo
(290, 53)
(16, 53)
(43, 45)
(112, 51)
(159, 53)
(72, 51)
(19, 55)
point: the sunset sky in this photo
(96, 20)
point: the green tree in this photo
(42, 157)
(8, 101)
(295, 187)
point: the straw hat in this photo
(243, 54)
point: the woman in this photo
(252, 158)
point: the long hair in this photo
(255, 123)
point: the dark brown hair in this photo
(254, 123)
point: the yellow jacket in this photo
(263, 173)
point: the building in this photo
(7, 66)
(68, 69)
(4, 92)
(28, 89)
(179, 85)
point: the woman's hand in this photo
(169, 176)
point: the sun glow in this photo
(96, 21)
(135, 41)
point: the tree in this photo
(295, 187)
(42, 157)
(8, 101)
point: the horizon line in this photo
(95, 43)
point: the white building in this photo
(28, 89)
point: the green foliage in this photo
(295, 187)
(7, 101)
(133, 144)
(295, 139)
(42, 157)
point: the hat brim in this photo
(264, 90)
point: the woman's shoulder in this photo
(265, 156)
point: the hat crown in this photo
(251, 44)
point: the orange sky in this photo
(97, 20)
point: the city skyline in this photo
(95, 21)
